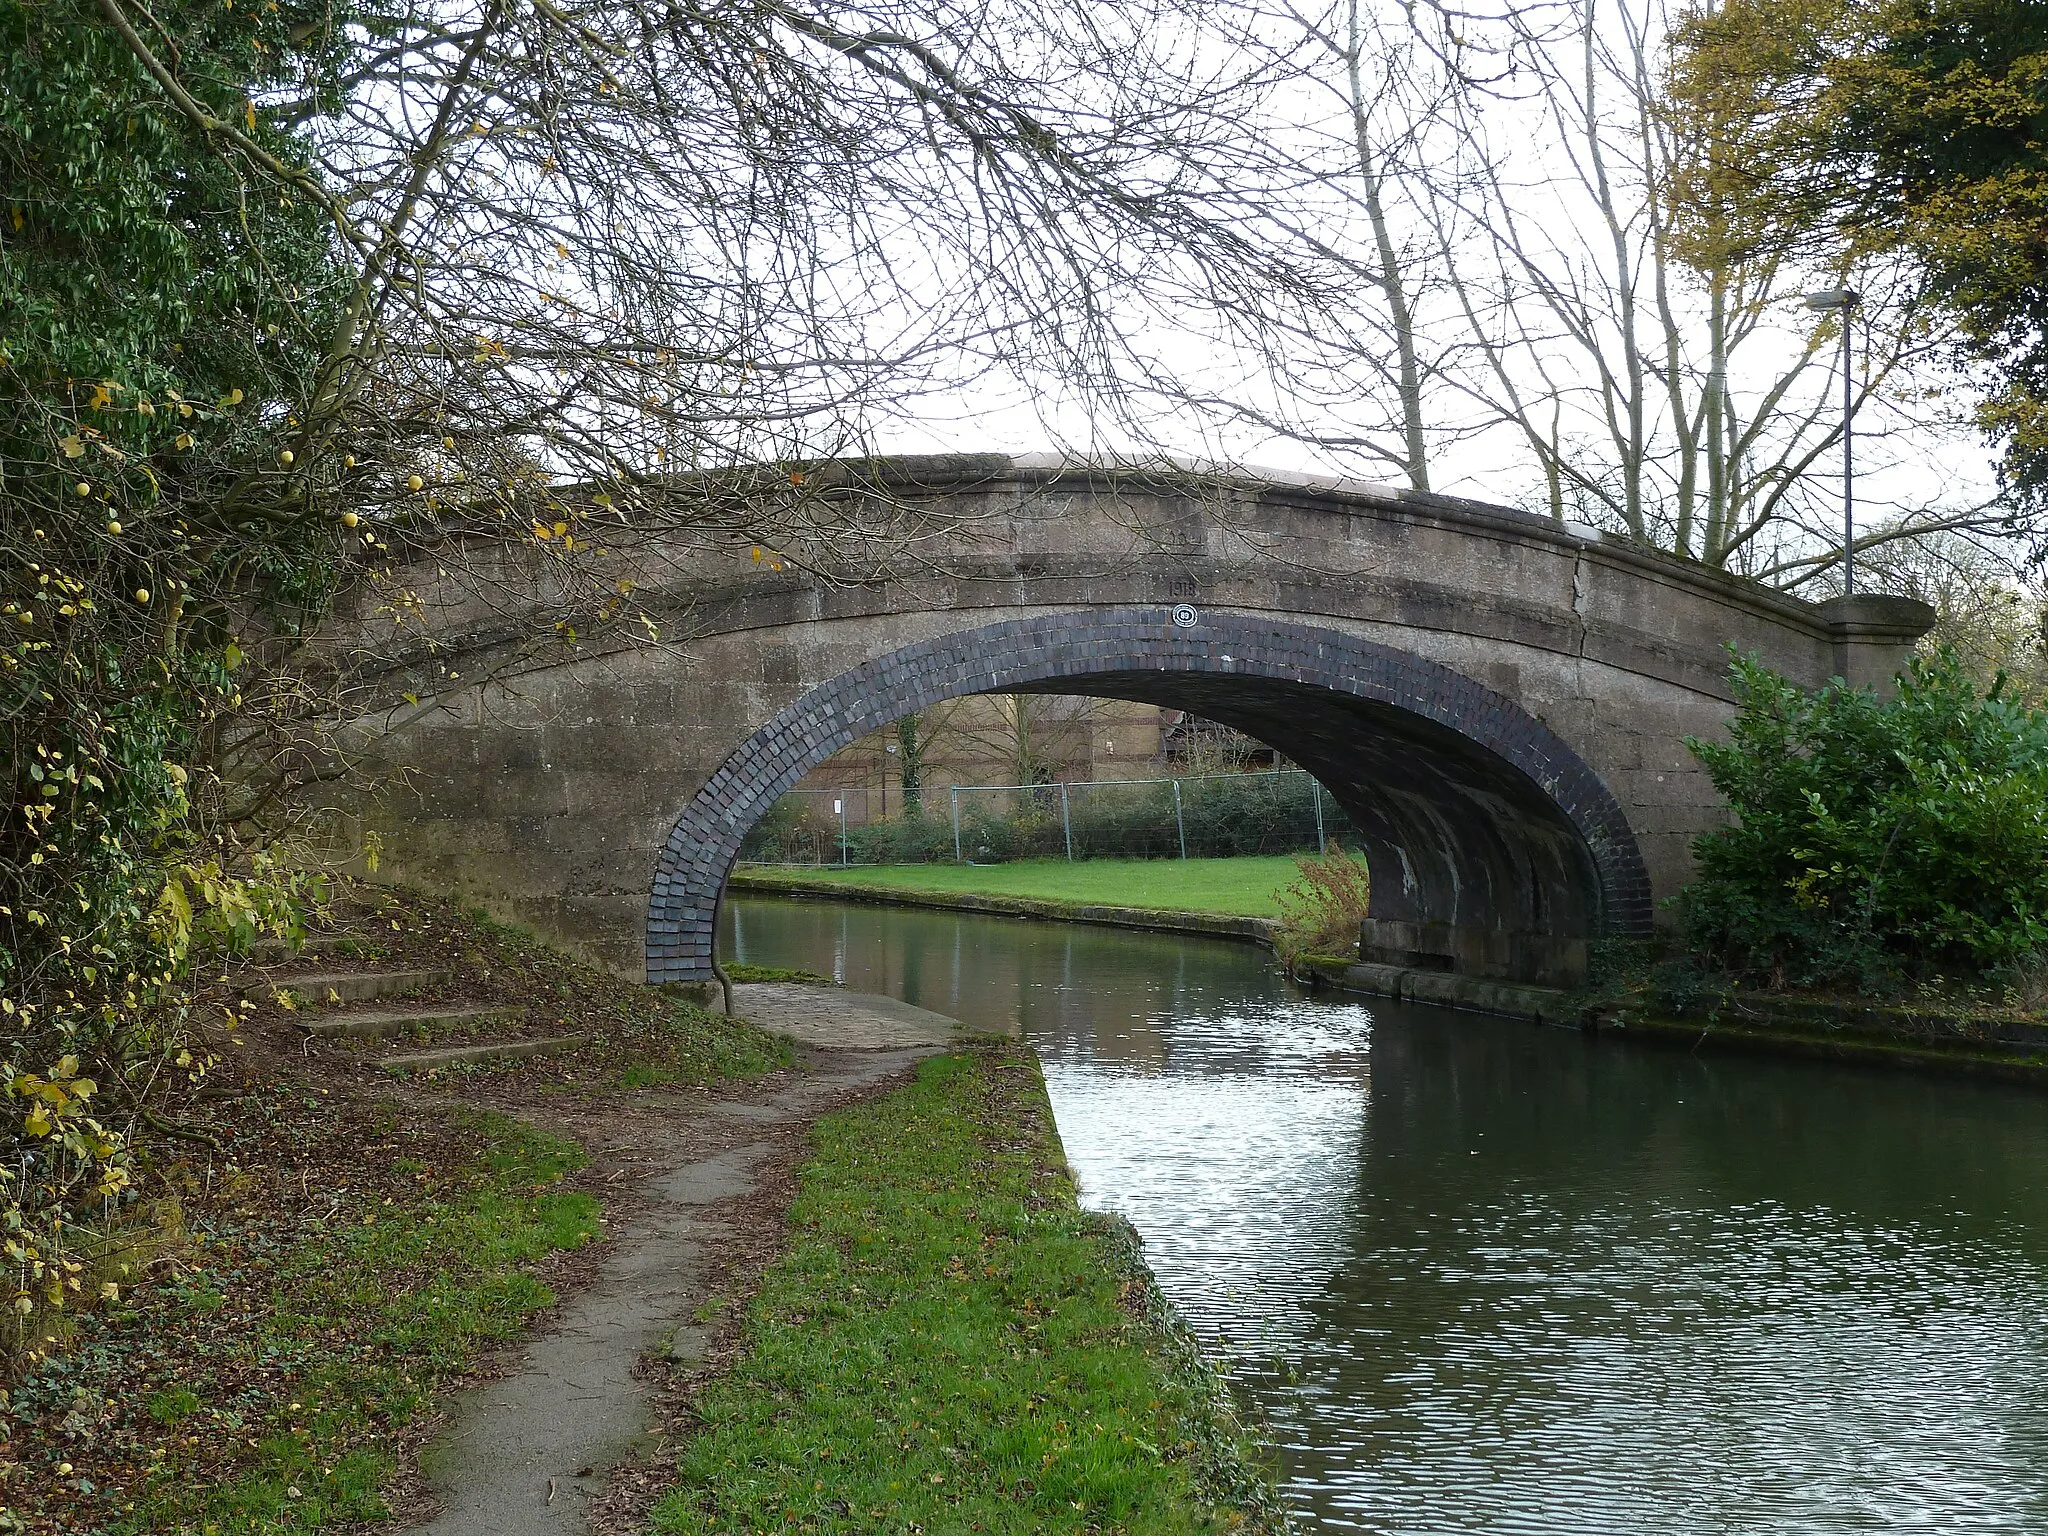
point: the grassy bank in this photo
(319, 1256)
(267, 1378)
(951, 1344)
(1230, 887)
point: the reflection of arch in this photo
(1493, 848)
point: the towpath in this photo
(561, 1443)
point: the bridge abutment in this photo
(1495, 954)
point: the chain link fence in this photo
(1218, 815)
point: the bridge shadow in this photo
(1495, 850)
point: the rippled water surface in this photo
(1484, 1277)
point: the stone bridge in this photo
(1498, 700)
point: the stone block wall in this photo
(549, 794)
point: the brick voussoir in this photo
(705, 840)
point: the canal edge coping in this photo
(1472, 994)
(1214, 925)
(1754, 1026)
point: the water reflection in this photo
(1487, 1278)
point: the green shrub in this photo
(1222, 816)
(1874, 838)
(1322, 908)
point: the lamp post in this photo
(1843, 301)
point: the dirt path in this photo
(538, 1450)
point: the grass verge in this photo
(318, 1256)
(735, 972)
(264, 1380)
(952, 1344)
(1244, 887)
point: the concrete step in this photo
(347, 986)
(401, 1021)
(277, 952)
(483, 1050)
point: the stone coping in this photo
(1870, 1033)
(1214, 925)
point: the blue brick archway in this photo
(1493, 847)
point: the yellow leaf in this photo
(176, 908)
(72, 444)
(249, 113)
(232, 397)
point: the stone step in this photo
(400, 1021)
(277, 952)
(347, 986)
(483, 1050)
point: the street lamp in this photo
(1843, 301)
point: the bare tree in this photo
(611, 278)
(1035, 738)
(1551, 282)
(1361, 114)
(1650, 355)
(1982, 611)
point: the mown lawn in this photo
(951, 1344)
(1235, 887)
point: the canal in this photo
(1479, 1276)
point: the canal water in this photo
(1479, 1276)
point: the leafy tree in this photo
(1874, 837)
(1916, 128)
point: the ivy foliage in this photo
(1875, 838)
(159, 312)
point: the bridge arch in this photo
(1494, 848)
